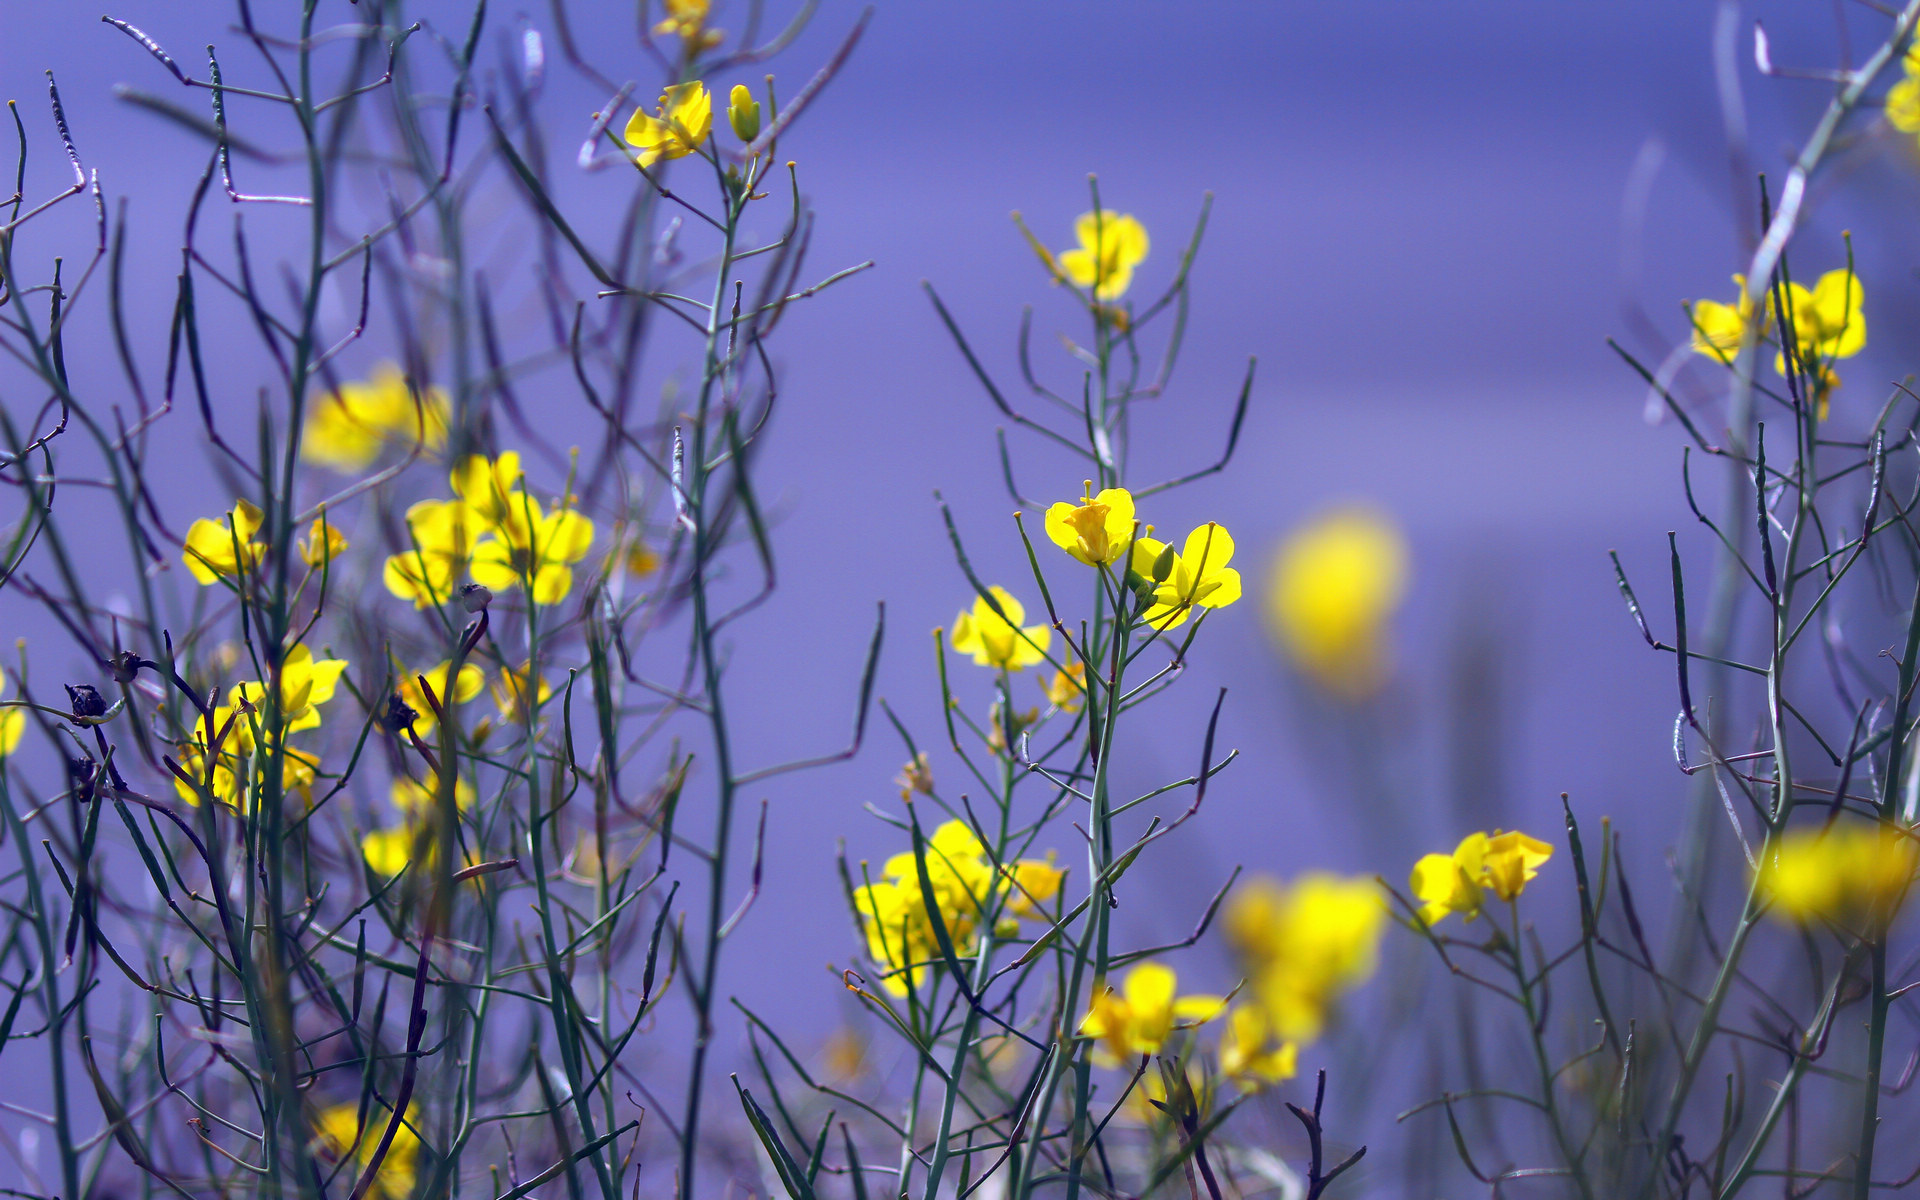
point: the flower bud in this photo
(743, 112)
(475, 597)
(86, 700)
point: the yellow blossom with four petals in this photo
(1196, 577)
(1111, 245)
(223, 549)
(1097, 530)
(677, 129)
(997, 640)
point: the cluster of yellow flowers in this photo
(231, 547)
(1500, 863)
(1140, 1017)
(224, 763)
(1300, 947)
(341, 1137)
(1828, 324)
(492, 531)
(966, 891)
(347, 430)
(687, 20)
(1854, 874)
(1334, 585)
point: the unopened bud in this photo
(399, 716)
(475, 597)
(86, 700)
(743, 113)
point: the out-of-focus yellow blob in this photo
(1334, 585)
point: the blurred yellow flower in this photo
(1828, 324)
(1097, 530)
(1903, 103)
(1067, 690)
(238, 772)
(466, 685)
(443, 534)
(13, 723)
(641, 560)
(1336, 581)
(323, 544)
(348, 429)
(342, 1137)
(1142, 1015)
(1033, 882)
(388, 851)
(1302, 946)
(684, 119)
(416, 798)
(305, 683)
(687, 20)
(224, 548)
(1197, 575)
(997, 641)
(491, 488)
(1252, 1055)
(539, 549)
(1850, 873)
(510, 691)
(1718, 329)
(1502, 863)
(1111, 245)
(743, 113)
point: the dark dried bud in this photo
(475, 597)
(86, 700)
(399, 716)
(125, 667)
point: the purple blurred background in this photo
(1423, 228)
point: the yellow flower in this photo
(13, 723)
(529, 546)
(443, 533)
(1718, 329)
(415, 798)
(466, 685)
(236, 776)
(1095, 531)
(1903, 101)
(323, 543)
(1067, 690)
(348, 429)
(1141, 1016)
(1828, 324)
(388, 851)
(641, 560)
(510, 693)
(1333, 586)
(743, 113)
(342, 1136)
(900, 931)
(1198, 575)
(491, 487)
(1302, 946)
(687, 20)
(1851, 873)
(995, 640)
(678, 129)
(305, 683)
(1251, 1055)
(1034, 881)
(224, 548)
(1502, 863)
(1111, 245)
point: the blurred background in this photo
(1428, 218)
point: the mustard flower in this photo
(341, 1136)
(1111, 245)
(1501, 863)
(1067, 690)
(323, 544)
(995, 640)
(1718, 329)
(306, 683)
(1853, 873)
(1828, 324)
(466, 685)
(1251, 1054)
(1196, 576)
(1333, 587)
(415, 798)
(347, 430)
(1304, 945)
(1031, 883)
(13, 723)
(388, 851)
(510, 691)
(443, 534)
(223, 549)
(490, 487)
(1098, 529)
(687, 20)
(743, 113)
(535, 547)
(641, 559)
(1143, 1014)
(677, 130)
(1903, 104)
(899, 928)
(235, 778)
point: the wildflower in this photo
(1828, 324)
(687, 20)
(641, 559)
(1502, 863)
(389, 851)
(1334, 585)
(510, 692)
(1851, 873)
(900, 930)
(1001, 723)
(1067, 690)
(1111, 245)
(1097, 530)
(1251, 1056)
(443, 533)
(13, 723)
(342, 1136)
(466, 685)
(677, 130)
(415, 798)
(238, 770)
(1033, 882)
(323, 543)
(743, 113)
(1302, 946)
(490, 487)
(1142, 1015)
(1903, 102)
(306, 683)
(916, 776)
(222, 549)
(348, 429)
(1719, 329)
(995, 639)
(1172, 584)
(536, 548)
